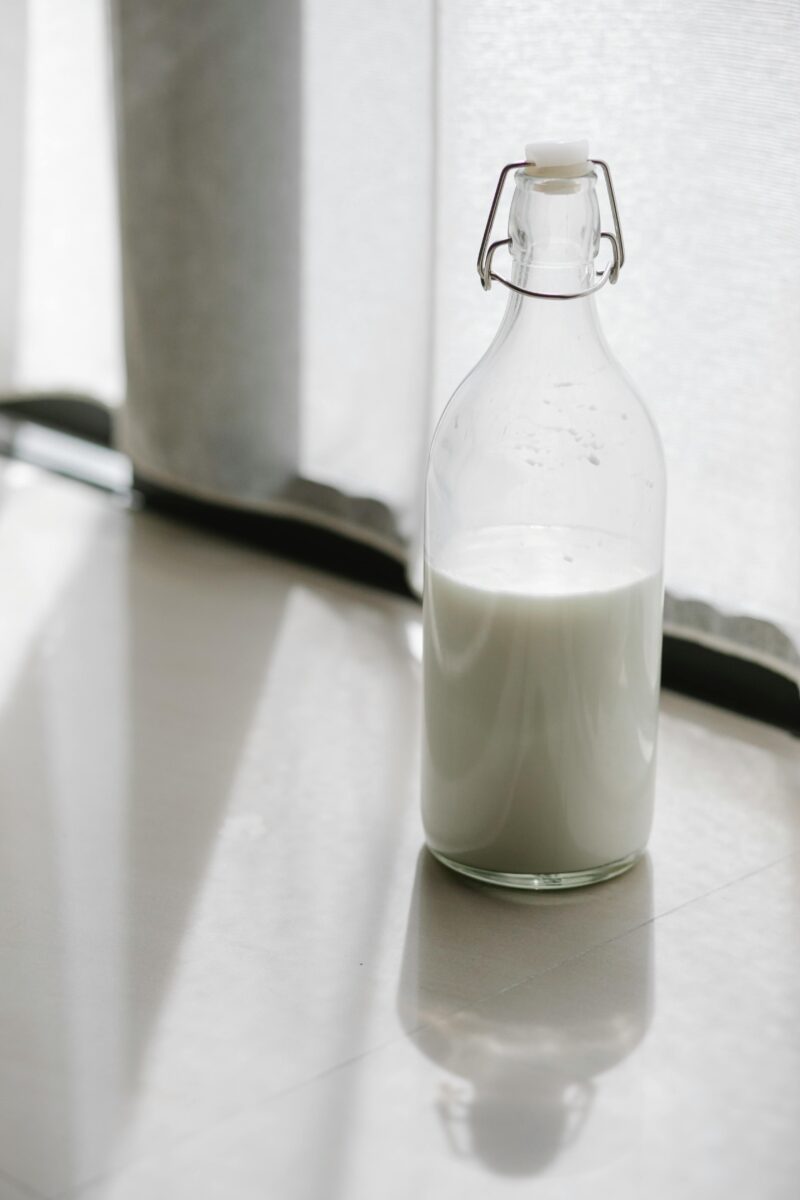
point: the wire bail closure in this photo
(486, 252)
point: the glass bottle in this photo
(544, 533)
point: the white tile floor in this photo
(227, 969)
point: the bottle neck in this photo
(554, 228)
(550, 327)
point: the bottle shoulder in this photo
(577, 412)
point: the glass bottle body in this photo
(543, 582)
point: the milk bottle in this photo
(543, 566)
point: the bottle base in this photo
(542, 882)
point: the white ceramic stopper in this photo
(562, 155)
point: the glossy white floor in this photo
(228, 970)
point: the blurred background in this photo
(249, 229)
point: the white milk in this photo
(542, 657)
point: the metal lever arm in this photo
(486, 251)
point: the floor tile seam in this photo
(655, 917)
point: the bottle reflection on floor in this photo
(537, 1077)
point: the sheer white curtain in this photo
(697, 107)
(60, 311)
(303, 188)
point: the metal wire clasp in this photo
(486, 252)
